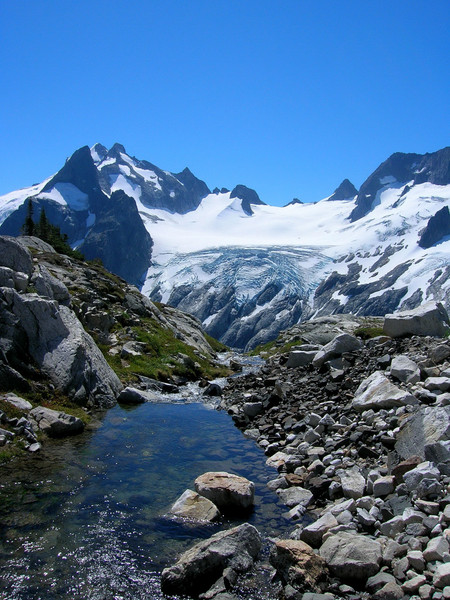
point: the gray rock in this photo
(426, 426)
(440, 353)
(227, 491)
(352, 556)
(15, 256)
(378, 392)
(131, 395)
(340, 344)
(194, 507)
(383, 486)
(404, 369)
(300, 358)
(18, 402)
(436, 549)
(200, 566)
(353, 483)
(252, 409)
(441, 577)
(439, 384)
(47, 285)
(63, 350)
(430, 318)
(390, 591)
(295, 496)
(439, 452)
(56, 423)
(129, 349)
(425, 470)
(313, 534)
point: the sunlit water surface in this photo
(88, 517)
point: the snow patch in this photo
(67, 194)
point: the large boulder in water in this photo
(430, 318)
(228, 491)
(203, 564)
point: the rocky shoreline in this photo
(358, 435)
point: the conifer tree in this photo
(28, 226)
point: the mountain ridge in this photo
(244, 268)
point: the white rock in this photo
(378, 392)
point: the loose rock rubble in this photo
(359, 433)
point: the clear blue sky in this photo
(288, 97)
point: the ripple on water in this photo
(88, 519)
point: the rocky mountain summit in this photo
(357, 429)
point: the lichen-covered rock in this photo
(227, 491)
(202, 565)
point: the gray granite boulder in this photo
(404, 369)
(430, 318)
(60, 346)
(426, 426)
(351, 556)
(203, 564)
(344, 342)
(15, 256)
(56, 423)
(378, 392)
(131, 395)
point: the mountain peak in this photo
(98, 152)
(293, 201)
(345, 191)
(117, 149)
(248, 197)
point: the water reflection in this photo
(87, 518)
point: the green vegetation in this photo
(274, 347)
(164, 357)
(47, 232)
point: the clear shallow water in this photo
(88, 517)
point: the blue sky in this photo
(288, 97)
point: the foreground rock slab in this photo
(203, 564)
(227, 491)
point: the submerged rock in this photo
(192, 506)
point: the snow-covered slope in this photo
(246, 269)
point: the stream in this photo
(87, 518)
